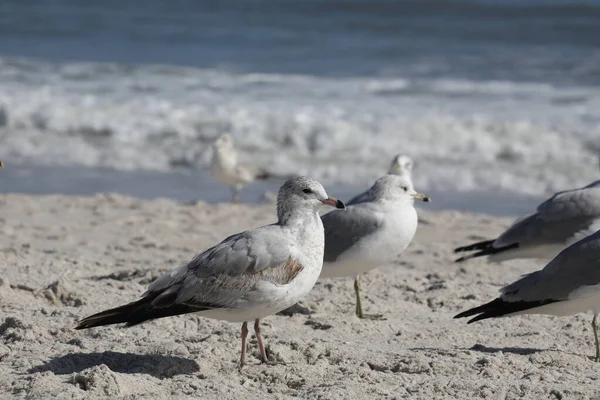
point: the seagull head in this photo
(401, 165)
(395, 188)
(302, 193)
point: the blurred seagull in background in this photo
(227, 169)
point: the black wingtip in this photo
(480, 309)
(475, 246)
(499, 308)
(340, 204)
(137, 312)
(459, 315)
(485, 248)
(85, 325)
(108, 317)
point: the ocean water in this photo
(486, 96)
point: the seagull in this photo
(370, 234)
(402, 165)
(227, 170)
(568, 285)
(247, 276)
(560, 221)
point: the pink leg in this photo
(259, 339)
(244, 343)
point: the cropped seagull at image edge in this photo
(372, 233)
(560, 221)
(568, 285)
(247, 276)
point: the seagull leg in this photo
(244, 343)
(259, 340)
(595, 328)
(359, 311)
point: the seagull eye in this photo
(404, 188)
(307, 191)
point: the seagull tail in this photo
(135, 313)
(485, 249)
(499, 308)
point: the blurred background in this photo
(497, 101)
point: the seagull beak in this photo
(422, 197)
(333, 202)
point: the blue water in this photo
(555, 41)
(487, 96)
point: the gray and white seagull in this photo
(372, 233)
(247, 276)
(560, 221)
(568, 285)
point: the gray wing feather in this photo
(576, 266)
(564, 216)
(572, 203)
(344, 228)
(221, 275)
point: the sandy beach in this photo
(65, 257)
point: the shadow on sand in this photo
(159, 366)
(523, 351)
(482, 349)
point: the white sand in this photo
(63, 258)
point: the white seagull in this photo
(559, 222)
(402, 165)
(227, 169)
(247, 276)
(568, 285)
(372, 233)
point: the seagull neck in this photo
(297, 217)
(381, 199)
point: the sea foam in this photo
(529, 138)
